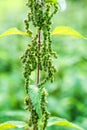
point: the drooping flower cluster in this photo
(38, 54)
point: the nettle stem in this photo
(38, 67)
(39, 43)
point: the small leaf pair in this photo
(61, 30)
(53, 121)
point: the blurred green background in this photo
(68, 94)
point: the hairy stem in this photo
(38, 68)
(39, 42)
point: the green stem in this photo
(38, 68)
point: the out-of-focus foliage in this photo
(68, 94)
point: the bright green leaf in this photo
(7, 126)
(62, 30)
(35, 95)
(12, 124)
(15, 31)
(62, 122)
(51, 1)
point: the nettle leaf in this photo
(62, 30)
(15, 31)
(35, 95)
(12, 124)
(62, 122)
(51, 1)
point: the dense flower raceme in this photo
(39, 53)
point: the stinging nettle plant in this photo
(38, 57)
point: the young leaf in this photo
(62, 30)
(51, 1)
(12, 124)
(15, 31)
(62, 122)
(35, 95)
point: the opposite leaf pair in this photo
(60, 30)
